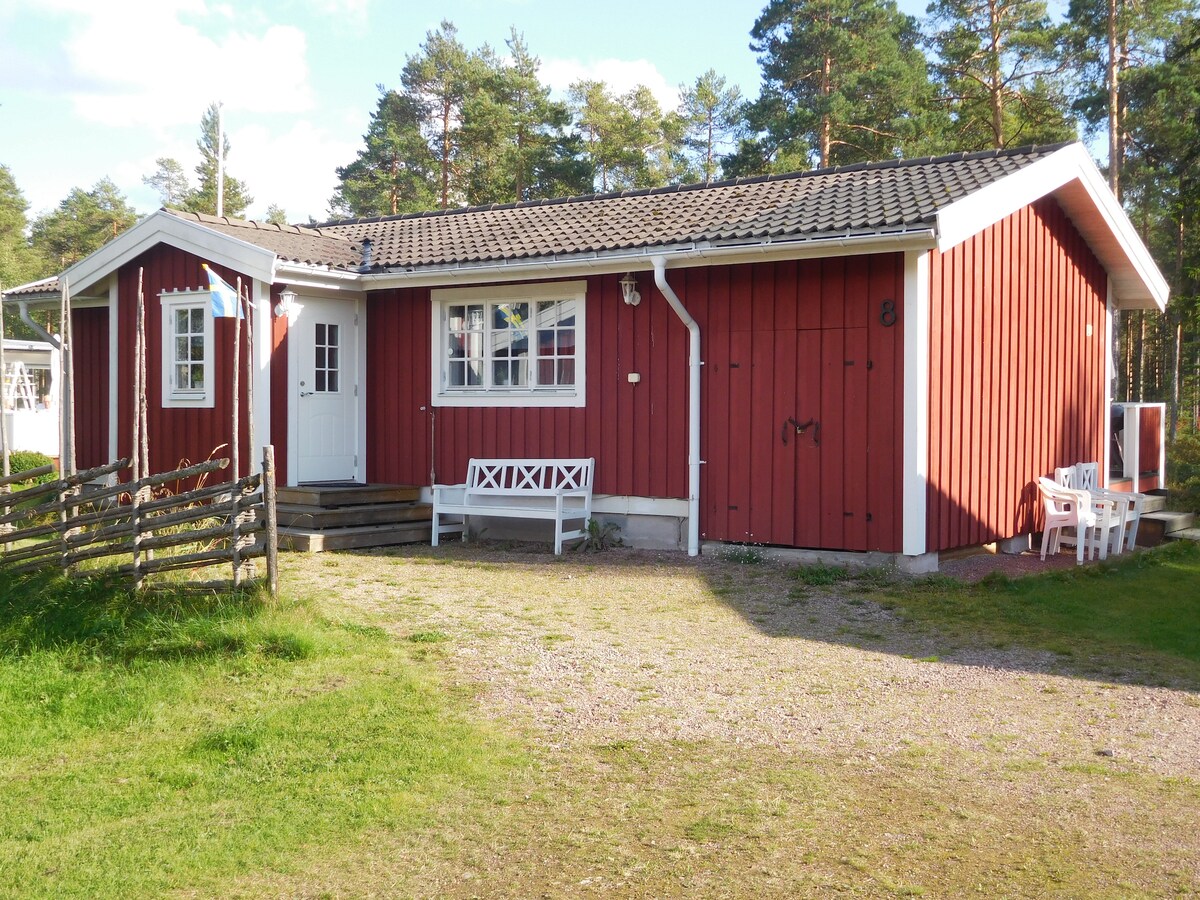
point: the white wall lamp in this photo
(287, 305)
(629, 290)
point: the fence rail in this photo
(67, 522)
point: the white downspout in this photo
(23, 307)
(694, 364)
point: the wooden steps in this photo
(1163, 525)
(315, 518)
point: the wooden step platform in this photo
(331, 495)
(313, 541)
(314, 518)
(1156, 527)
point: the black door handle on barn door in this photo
(800, 427)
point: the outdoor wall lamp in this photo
(629, 290)
(287, 305)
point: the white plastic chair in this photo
(1065, 508)
(1110, 508)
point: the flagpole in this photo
(220, 164)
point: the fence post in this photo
(272, 535)
(135, 522)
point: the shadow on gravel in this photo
(1129, 622)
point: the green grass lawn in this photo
(158, 743)
(1139, 614)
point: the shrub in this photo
(1183, 472)
(24, 460)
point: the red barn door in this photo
(797, 454)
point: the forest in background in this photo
(843, 81)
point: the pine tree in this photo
(395, 171)
(999, 71)
(515, 139)
(843, 82)
(81, 224)
(204, 198)
(712, 116)
(1108, 40)
(18, 262)
(440, 78)
(628, 140)
(170, 181)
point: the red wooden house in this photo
(888, 354)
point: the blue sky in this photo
(95, 88)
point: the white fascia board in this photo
(1000, 199)
(640, 260)
(164, 228)
(302, 276)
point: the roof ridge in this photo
(961, 156)
(255, 225)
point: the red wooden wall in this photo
(176, 435)
(1016, 383)
(90, 328)
(780, 340)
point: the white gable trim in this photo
(164, 228)
(1073, 178)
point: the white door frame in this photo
(293, 393)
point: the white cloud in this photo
(294, 169)
(621, 75)
(151, 66)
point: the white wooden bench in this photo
(551, 489)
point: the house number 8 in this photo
(887, 313)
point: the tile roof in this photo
(291, 243)
(42, 288)
(875, 198)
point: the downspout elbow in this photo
(23, 308)
(694, 364)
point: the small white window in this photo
(187, 349)
(513, 345)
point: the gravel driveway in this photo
(637, 646)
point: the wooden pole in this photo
(143, 403)
(235, 536)
(272, 536)
(136, 437)
(70, 357)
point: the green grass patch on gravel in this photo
(1142, 610)
(160, 743)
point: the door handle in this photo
(307, 393)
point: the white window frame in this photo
(172, 396)
(533, 396)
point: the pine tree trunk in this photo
(826, 124)
(1114, 102)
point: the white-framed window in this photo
(187, 349)
(509, 345)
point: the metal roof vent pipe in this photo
(366, 255)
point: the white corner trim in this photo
(165, 228)
(360, 388)
(261, 295)
(1003, 197)
(916, 402)
(1106, 407)
(114, 383)
(293, 404)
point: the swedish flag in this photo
(224, 298)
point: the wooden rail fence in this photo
(63, 523)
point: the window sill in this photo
(510, 399)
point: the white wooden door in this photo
(326, 341)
